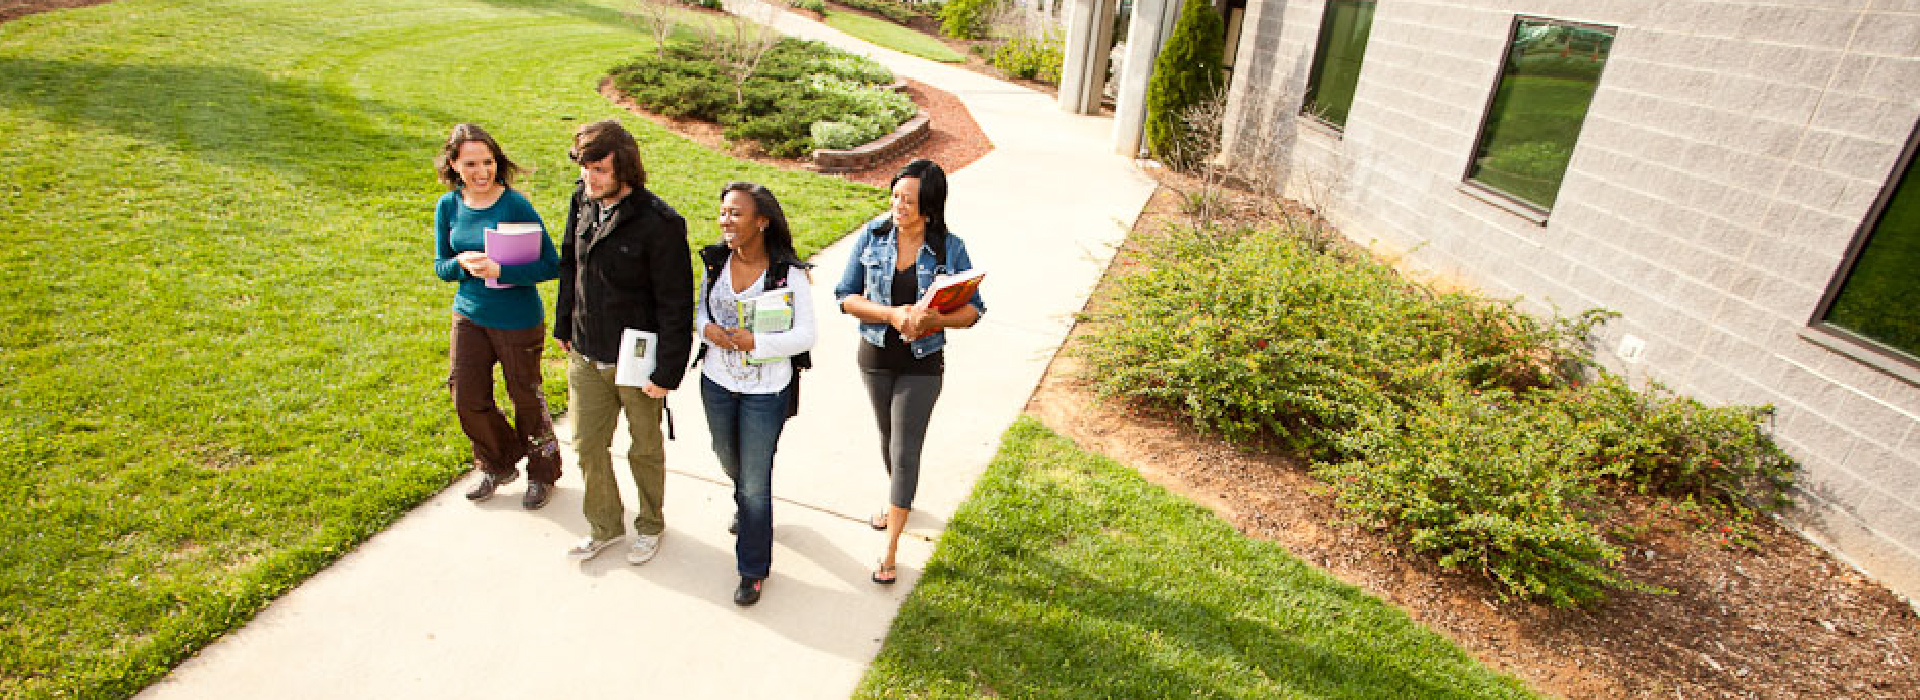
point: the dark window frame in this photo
(1319, 47)
(1856, 345)
(1494, 195)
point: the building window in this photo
(1336, 63)
(1551, 71)
(1872, 297)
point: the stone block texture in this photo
(1726, 164)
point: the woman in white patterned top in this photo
(750, 380)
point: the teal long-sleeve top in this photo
(459, 228)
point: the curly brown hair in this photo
(503, 167)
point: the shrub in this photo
(1032, 57)
(859, 69)
(709, 4)
(967, 19)
(1677, 447)
(1480, 434)
(1186, 73)
(836, 135)
(869, 113)
(814, 6)
(896, 12)
(1488, 480)
(797, 84)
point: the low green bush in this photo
(816, 6)
(837, 135)
(967, 19)
(1032, 57)
(1480, 434)
(798, 84)
(709, 4)
(1490, 480)
(869, 113)
(859, 69)
(896, 12)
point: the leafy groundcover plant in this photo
(1483, 435)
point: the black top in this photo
(896, 357)
(625, 266)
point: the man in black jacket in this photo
(623, 264)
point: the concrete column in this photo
(1089, 39)
(1148, 29)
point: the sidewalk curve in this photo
(464, 601)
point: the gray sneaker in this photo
(589, 547)
(644, 547)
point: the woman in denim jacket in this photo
(901, 361)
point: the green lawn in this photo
(893, 36)
(1066, 575)
(223, 347)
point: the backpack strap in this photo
(712, 258)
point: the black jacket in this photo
(635, 274)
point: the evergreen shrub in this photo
(798, 84)
(1187, 72)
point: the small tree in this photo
(1186, 73)
(661, 17)
(741, 50)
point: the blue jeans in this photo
(746, 431)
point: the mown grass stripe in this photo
(223, 347)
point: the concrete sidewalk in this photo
(465, 601)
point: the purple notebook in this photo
(513, 244)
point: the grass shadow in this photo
(309, 132)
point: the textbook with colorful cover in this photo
(513, 244)
(950, 292)
(770, 312)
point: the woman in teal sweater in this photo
(499, 323)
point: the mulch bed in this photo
(15, 9)
(1782, 619)
(953, 140)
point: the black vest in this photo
(714, 259)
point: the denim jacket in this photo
(869, 273)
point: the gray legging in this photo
(902, 406)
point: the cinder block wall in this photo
(1725, 164)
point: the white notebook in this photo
(637, 352)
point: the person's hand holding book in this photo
(919, 321)
(479, 265)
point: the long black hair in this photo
(933, 195)
(778, 238)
